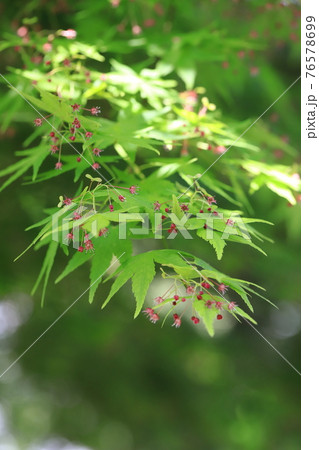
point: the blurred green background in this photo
(98, 379)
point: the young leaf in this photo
(46, 269)
(143, 276)
(217, 242)
(207, 314)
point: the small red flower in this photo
(230, 222)
(219, 305)
(176, 297)
(72, 138)
(157, 206)
(254, 71)
(76, 123)
(47, 47)
(209, 304)
(154, 318)
(80, 249)
(158, 300)
(69, 236)
(231, 306)
(76, 107)
(95, 166)
(69, 34)
(190, 289)
(219, 316)
(67, 201)
(177, 321)
(184, 207)
(111, 208)
(54, 148)
(199, 297)
(97, 151)
(22, 31)
(148, 311)
(167, 210)
(133, 189)
(58, 165)
(78, 159)
(76, 216)
(38, 122)
(195, 320)
(88, 134)
(89, 245)
(211, 200)
(52, 134)
(121, 198)
(95, 110)
(103, 231)
(183, 299)
(219, 149)
(136, 30)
